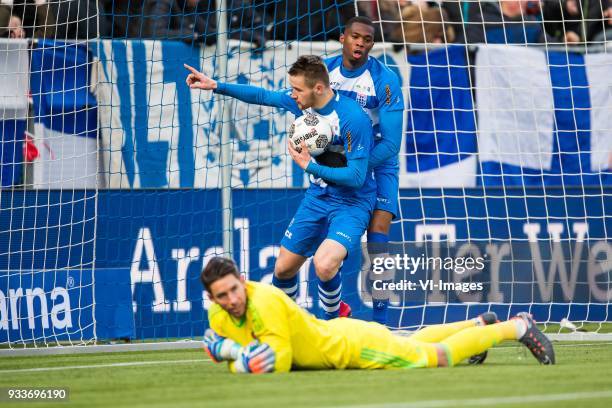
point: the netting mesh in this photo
(113, 186)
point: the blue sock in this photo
(329, 296)
(378, 246)
(378, 237)
(289, 286)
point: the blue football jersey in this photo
(352, 136)
(353, 139)
(373, 86)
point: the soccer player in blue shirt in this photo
(377, 90)
(336, 208)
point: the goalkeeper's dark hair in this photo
(312, 68)
(359, 19)
(217, 268)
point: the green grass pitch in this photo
(510, 377)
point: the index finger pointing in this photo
(192, 69)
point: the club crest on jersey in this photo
(349, 141)
(387, 94)
(361, 99)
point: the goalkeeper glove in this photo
(220, 348)
(256, 358)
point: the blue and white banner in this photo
(598, 73)
(157, 133)
(65, 116)
(532, 113)
(14, 68)
(440, 138)
(543, 117)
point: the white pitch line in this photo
(126, 364)
(492, 401)
(555, 345)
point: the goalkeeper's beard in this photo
(237, 311)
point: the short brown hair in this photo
(217, 268)
(312, 68)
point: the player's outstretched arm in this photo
(245, 93)
(197, 80)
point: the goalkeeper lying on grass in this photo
(259, 329)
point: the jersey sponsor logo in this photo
(349, 141)
(362, 88)
(387, 94)
(343, 235)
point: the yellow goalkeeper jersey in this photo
(301, 341)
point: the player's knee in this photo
(287, 264)
(283, 271)
(325, 267)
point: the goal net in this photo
(49, 171)
(507, 157)
(119, 183)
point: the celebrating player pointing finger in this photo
(337, 206)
